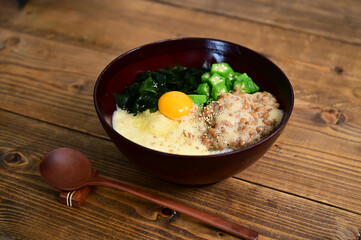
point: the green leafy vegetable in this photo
(144, 93)
(202, 85)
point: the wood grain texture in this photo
(50, 69)
(338, 20)
(107, 213)
(296, 50)
(305, 187)
(46, 80)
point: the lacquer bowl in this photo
(184, 169)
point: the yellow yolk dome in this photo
(175, 104)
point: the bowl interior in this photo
(189, 52)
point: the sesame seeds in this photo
(235, 121)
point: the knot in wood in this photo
(13, 159)
(331, 117)
(77, 86)
(169, 213)
(338, 70)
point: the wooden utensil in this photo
(69, 169)
(75, 198)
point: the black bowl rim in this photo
(279, 128)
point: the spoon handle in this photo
(227, 226)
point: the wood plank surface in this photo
(47, 81)
(45, 62)
(293, 51)
(337, 20)
(109, 214)
(305, 187)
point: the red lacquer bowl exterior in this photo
(183, 169)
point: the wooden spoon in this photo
(69, 169)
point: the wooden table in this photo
(307, 186)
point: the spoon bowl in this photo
(68, 169)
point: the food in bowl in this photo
(189, 170)
(192, 111)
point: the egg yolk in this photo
(175, 104)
